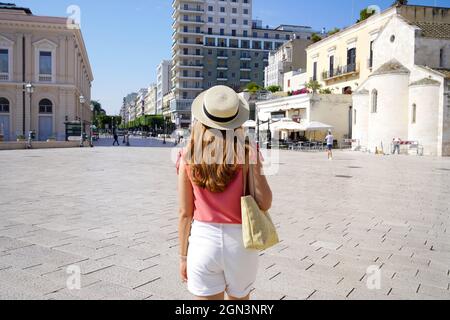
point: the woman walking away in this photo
(213, 259)
(330, 143)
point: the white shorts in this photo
(218, 261)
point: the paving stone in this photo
(120, 226)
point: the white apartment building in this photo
(150, 100)
(295, 80)
(163, 83)
(140, 103)
(126, 106)
(291, 56)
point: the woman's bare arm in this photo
(263, 193)
(186, 212)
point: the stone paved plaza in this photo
(113, 213)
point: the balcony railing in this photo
(180, 105)
(183, 8)
(193, 65)
(4, 77)
(45, 78)
(341, 71)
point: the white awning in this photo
(315, 126)
(282, 125)
(249, 124)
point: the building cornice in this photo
(54, 24)
(352, 28)
(40, 85)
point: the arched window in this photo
(45, 106)
(4, 105)
(374, 101)
(414, 113)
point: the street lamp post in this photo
(30, 90)
(143, 117)
(82, 102)
(92, 125)
(258, 142)
(165, 131)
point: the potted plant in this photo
(21, 138)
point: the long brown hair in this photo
(215, 156)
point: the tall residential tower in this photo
(216, 42)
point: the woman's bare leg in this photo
(218, 297)
(238, 299)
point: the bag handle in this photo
(249, 176)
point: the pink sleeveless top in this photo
(222, 208)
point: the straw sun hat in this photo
(221, 108)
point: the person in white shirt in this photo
(397, 142)
(330, 142)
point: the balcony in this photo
(223, 68)
(189, 55)
(181, 43)
(341, 72)
(177, 2)
(188, 87)
(45, 78)
(180, 21)
(186, 10)
(4, 76)
(181, 105)
(181, 65)
(245, 80)
(222, 56)
(190, 32)
(188, 77)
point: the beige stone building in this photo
(44, 70)
(345, 59)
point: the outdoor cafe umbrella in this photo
(249, 124)
(283, 125)
(314, 126)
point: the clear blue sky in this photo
(127, 39)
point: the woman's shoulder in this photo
(181, 163)
(181, 160)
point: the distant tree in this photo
(315, 38)
(313, 85)
(333, 31)
(273, 89)
(365, 14)
(326, 91)
(253, 87)
(400, 3)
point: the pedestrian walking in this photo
(213, 258)
(396, 143)
(116, 139)
(330, 142)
